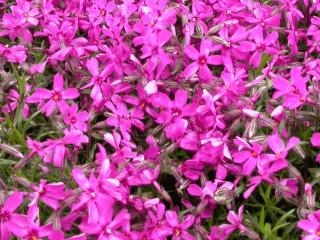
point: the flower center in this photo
(254, 154)
(155, 50)
(41, 191)
(202, 60)
(262, 47)
(108, 231)
(4, 216)
(73, 120)
(302, 99)
(93, 195)
(176, 112)
(56, 97)
(177, 232)
(103, 13)
(33, 235)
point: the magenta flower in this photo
(76, 120)
(280, 151)
(7, 215)
(97, 80)
(173, 113)
(262, 46)
(109, 182)
(28, 227)
(206, 192)
(50, 194)
(200, 12)
(235, 220)
(248, 157)
(51, 99)
(91, 196)
(59, 235)
(153, 49)
(178, 230)
(14, 97)
(294, 93)
(109, 227)
(201, 58)
(123, 148)
(25, 13)
(315, 141)
(123, 118)
(55, 150)
(311, 226)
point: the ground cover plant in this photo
(159, 119)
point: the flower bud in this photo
(223, 196)
(215, 29)
(11, 150)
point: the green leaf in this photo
(7, 161)
(262, 220)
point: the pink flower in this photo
(59, 235)
(294, 93)
(7, 215)
(124, 118)
(235, 220)
(92, 197)
(173, 113)
(25, 13)
(50, 99)
(98, 79)
(200, 12)
(55, 150)
(178, 230)
(153, 49)
(14, 97)
(311, 226)
(262, 46)
(315, 141)
(109, 227)
(28, 227)
(50, 194)
(248, 157)
(76, 120)
(201, 58)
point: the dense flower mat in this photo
(158, 119)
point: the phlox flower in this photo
(50, 100)
(49, 193)
(28, 227)
(7, 215)
(201, 59)
(76, 120)
(311, 226)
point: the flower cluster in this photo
(157, 119)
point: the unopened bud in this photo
(223, 196)
(252, 234)
(220, 40)
(251, 129)
(215, 29)
(56, 221)
(267, 121)
(199, 30)
(23, 181)
(11, 150)
(298, 149)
